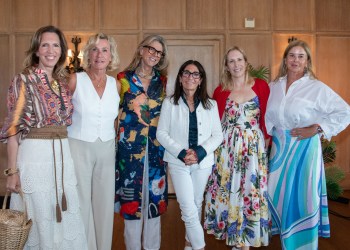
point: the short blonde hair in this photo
(93, 40)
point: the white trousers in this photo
(151, 234)
(150, 237)
(189, 184)
(94, 164)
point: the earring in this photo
(305, 70)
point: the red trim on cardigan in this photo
(262, 90)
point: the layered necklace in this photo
(141, 74)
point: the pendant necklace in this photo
(99, 83)
(56, 88)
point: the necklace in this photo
(98, 83)
(143, 75)
(55, 86)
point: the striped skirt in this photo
(297, 191)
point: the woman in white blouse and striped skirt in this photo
(300, 110)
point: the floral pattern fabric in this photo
(139, 117)
(236, 199)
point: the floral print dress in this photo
(236, 199)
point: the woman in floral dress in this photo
(236, 200)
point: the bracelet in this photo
(10, 171)
(320, 131)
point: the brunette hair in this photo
(201, 93)
(31, 59)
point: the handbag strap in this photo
(25, 221)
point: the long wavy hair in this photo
(31, 59)
(93, 40)
(226, 77)
(283, 70)
(163, 63)
(201, 92)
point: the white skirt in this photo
(37, 174)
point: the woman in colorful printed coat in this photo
(39, 158)
(92, 137)
(190, 130)
(141, 184)
(236, 200)
(300, 110)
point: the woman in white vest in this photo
(92, 137)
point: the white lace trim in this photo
(35, 161)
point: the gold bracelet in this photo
(10, 171)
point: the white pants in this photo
(151, 235)
(189, 184)
(94, 164)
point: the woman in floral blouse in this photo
(141, 189)
(236, 201)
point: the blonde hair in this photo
(93, 40)
(226, 77)
(283, 66)
(163, 63)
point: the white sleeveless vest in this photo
(93, 117)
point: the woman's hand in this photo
(306, 132)
(13, 183)
(191, 157)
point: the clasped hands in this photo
(191, 157)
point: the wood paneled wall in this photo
(198, 29)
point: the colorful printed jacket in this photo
(139, 115)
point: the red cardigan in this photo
(261, 89)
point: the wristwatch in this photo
(320, 131)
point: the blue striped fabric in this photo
(297, 191)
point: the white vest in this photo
(93, 117)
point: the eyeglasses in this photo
(153, 51)
(187, 74)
